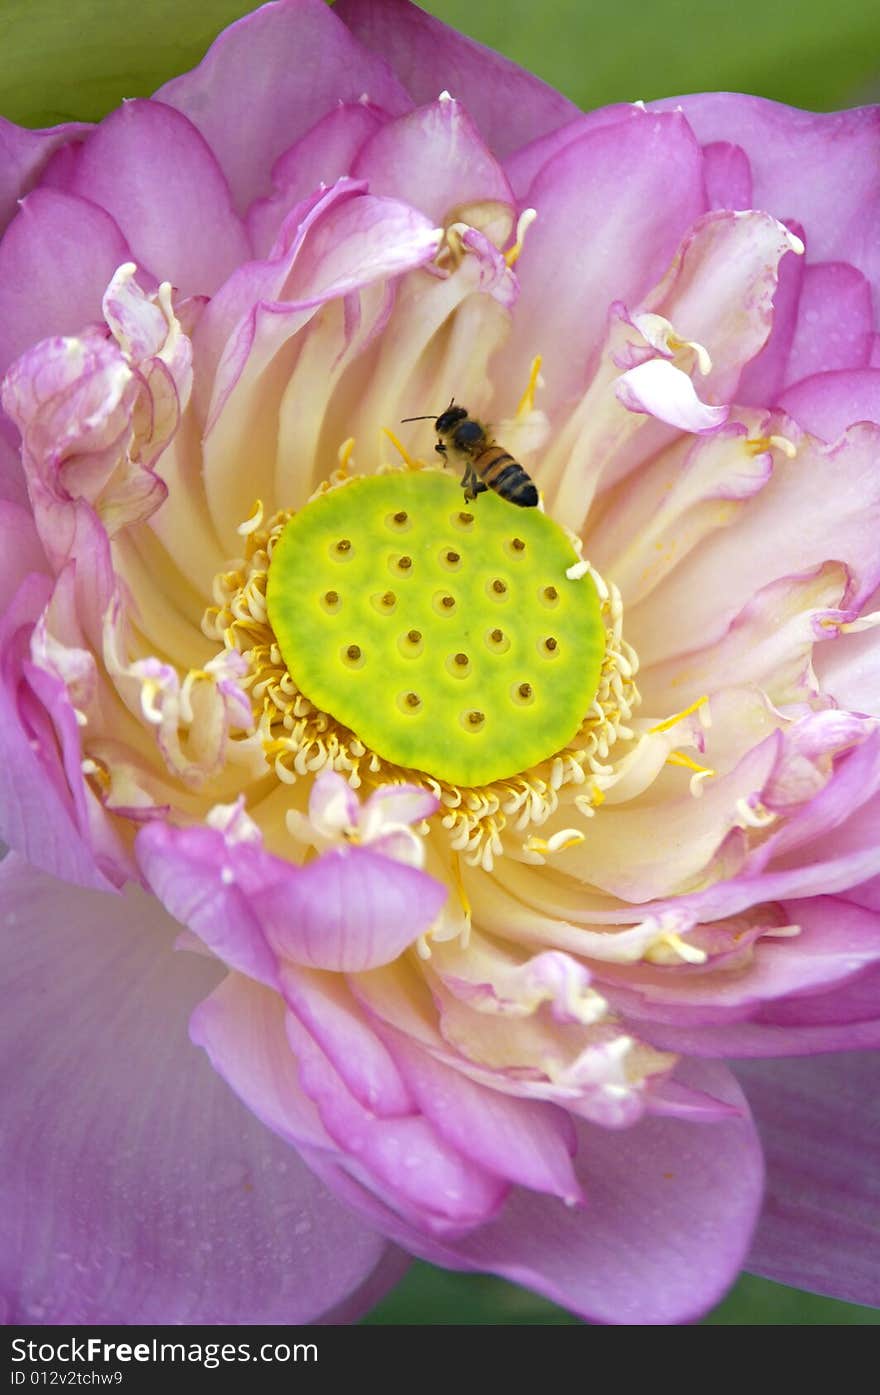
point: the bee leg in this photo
(468, 484)
(441, 451)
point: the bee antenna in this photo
(432, 416)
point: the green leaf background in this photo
(76, 59)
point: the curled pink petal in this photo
(661, 390)
(350, 910)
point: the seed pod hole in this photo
(398, 522)
(473, 720)
(497, 641)
(384, 601)
(450, 560)
(353, 656)
(411, 644)
(458, 664)
(330, 602)
(523, 694)
(549, 596)
(342, 550)
(409, 703)
(444, 603)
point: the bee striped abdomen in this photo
(498, 469)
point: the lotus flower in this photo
(394, 870)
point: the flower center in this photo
(446, 636)
(394, 633)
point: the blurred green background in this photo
(63, 59)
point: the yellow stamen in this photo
(659, 951)
(559, 842)
(459, 886)
(149, 693)
(411, 461)
(527, 401)
(679, 716)
(679, 758)
(854, 627)
(526, 219)
(344, 455)
(253, 522)
(757, 445)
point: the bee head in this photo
(449, 419)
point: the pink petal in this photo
(672, 1206)
(523, 1140)
(683, 498)
(768, 644)
(241, 1025)
(404, 1157)
(639, 851)
(722, 289)
(23, 155)
(831, 833)
(612, 208)
(150, 168)
(333, 804)
(523, 166)
(845, 1019)
(346, 241)
(661, 390)
(849, 667)
(348, 910)
(509, 106)
(12, 486)
(856, 1002)
(324, 154)
(837, 942)
(20, 549)
(326, 1009)
(828, 403)
(266, 80)
(835, 322)
(402, 803)
(205, 881)
(728, 176)
(39, 817)
(822, 524)
(820, 168)
(764, 375)
(434, 158)
(137, 1189)
(56, 260)
(819, 1120)
(828, 846)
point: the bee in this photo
(486, 464)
